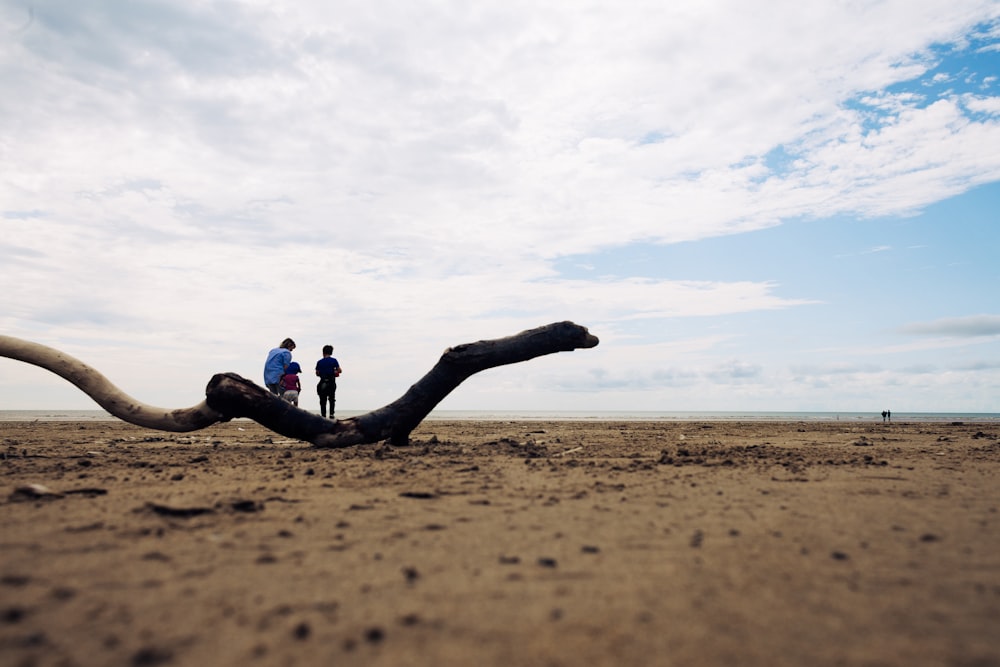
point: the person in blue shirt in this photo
(328, 369)
(276, 365)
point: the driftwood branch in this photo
(91, 382)
(229, 396)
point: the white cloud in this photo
(987, 105)
(974, 326)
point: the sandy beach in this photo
(503, 543)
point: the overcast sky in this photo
(754, 205)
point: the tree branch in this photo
(229, 396)
(91, 382)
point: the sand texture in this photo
(503, 543)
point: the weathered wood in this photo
(91, 382)
(229, 396)
(398, 419)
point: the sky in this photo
(776, 206)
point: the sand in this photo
(503, 543)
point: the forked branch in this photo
(229, 396)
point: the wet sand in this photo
(503, 543)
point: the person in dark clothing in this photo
(327, 369)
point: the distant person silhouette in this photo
(328, 369)
(884, 413)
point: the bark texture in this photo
(91, 382)
(229, 396)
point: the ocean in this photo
(582, 415)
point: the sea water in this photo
(582, 415)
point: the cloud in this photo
(985, 105)
(372, 121)
(735, 371)
(974, 326)
(180, 178)
(23, 215)
(835, 369)
(981, 366)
